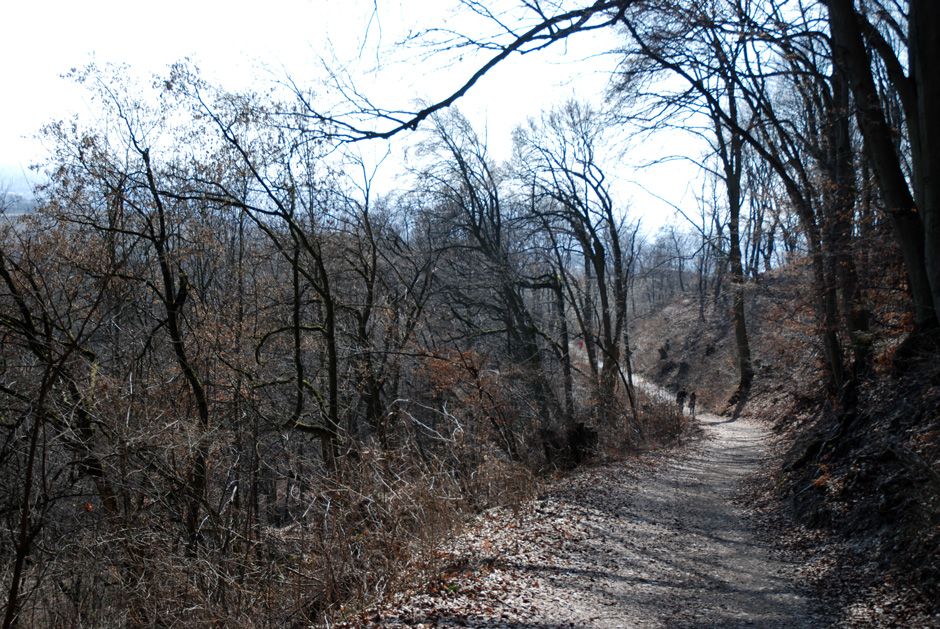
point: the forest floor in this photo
(662, 540)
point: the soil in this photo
(654, 541)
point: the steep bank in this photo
(856, 488)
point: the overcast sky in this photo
(237, 43)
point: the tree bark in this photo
(745, 366)
(924, 54)
(848, 49)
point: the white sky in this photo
(235, 43)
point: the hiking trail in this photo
(656, 541)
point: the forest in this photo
(240, 386)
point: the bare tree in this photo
(558, 160)
(488, 227)
(911, 207)
(684, 41)
(50, 310)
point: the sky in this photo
(239, 44)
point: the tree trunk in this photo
(731, 153)
(840, 223)
(745, 367)
(565, 343)
(924, 52)
(849, 52)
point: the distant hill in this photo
(12, 203)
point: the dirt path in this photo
(644, 543)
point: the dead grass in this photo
(362, 534)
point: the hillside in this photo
(13, 204)
(854, 487)
(784, 510)
(253, 374)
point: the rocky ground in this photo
(655, 541)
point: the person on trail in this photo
(680, 399)
(692, 404)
